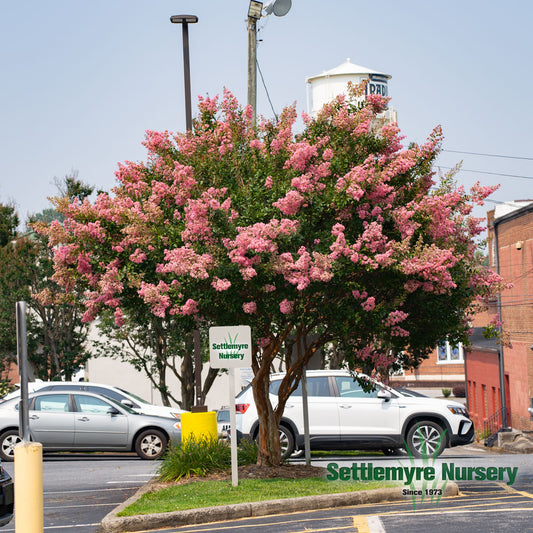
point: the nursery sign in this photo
(230, 346)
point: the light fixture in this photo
(180, 19)
(254, 11)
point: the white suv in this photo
(342, 415)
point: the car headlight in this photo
(178, 416)
(458, 410)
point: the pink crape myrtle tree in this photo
(338, 235)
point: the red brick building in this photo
(443, 369)
(510, 241)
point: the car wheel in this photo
(151, 444)
(8, 440)
(426, 439)
(286, 442)
(298, 454)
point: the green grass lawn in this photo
(198, 494)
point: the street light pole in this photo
(185, 20)
(254, 14)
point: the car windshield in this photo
(121, 405)
(140, 400)
(243, 391)
(223, 415)
(405, 392)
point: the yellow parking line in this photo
(511, 490)
(361, 523)
(334, 528)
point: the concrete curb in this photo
(115, 524)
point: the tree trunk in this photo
(212, 373)
(269, 451)
(160, 351)
(187, 382)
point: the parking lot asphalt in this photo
(115, 524)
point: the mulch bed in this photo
(285, 471)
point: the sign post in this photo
(231, 347)
(28, 456)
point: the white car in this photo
(343, 415)
(32, 387)
(115, 393)
(80, 421)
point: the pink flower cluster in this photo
(220, 284)
(197, 213)
(260, 238)
(395, 317)
(185, 261)
(249, 307)
(290, 204)
(369, 304)
(301, 156)
(157, 141)
(156, 296)
(432, 266)
(306, 269)
(286, 306)
(190, 307)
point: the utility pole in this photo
(254, 14)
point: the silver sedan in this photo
(82, 421)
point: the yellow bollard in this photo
(199, 426)
(29, 487)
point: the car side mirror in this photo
(113, 411)
(384, 394)
(127, 403)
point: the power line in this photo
(492, 173)
(266, 90)
(490, 155)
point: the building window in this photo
(447, 353)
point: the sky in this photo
(82, 81)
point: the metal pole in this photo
(305, 403)
(185, 20)
(22, 354)
(501, 364)
(233, 431)
(197, 367)
(252, 65)
(187, 75)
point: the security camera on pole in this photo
(255, 11)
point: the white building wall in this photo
(120, 374)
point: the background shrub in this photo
(247, 452)
(459, 391)
(446, 392)
(199, 457)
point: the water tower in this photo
(326, 86)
